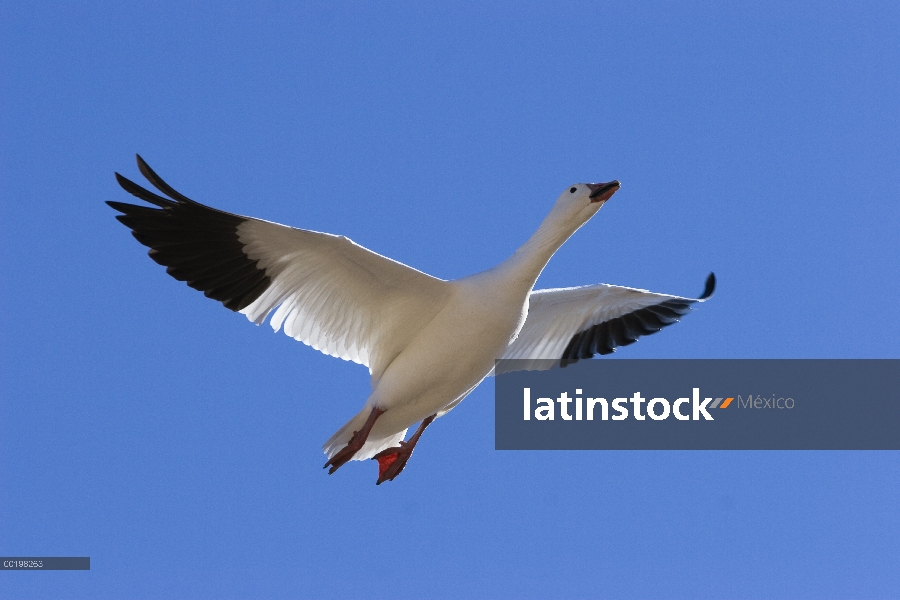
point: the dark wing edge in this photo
(197, 244)
(605, 337)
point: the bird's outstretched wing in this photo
(325, 290)
(569, 324)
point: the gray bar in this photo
(45, 563)
(766, 405)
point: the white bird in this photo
(427, 342)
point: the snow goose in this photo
(427, 342)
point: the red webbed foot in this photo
(392, 461)
(355, 444)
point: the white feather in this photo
(337, 296)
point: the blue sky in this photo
(179, 447)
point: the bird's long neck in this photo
(526, 264)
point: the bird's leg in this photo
(392, 460)
(356, 442)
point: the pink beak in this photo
(601, 192)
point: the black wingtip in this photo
(125, 183)
(710, 287)
(139, 192)
(158, 182)
(141, 164)
(145, 169)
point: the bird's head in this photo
(582, 200)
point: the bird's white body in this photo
(444, 361)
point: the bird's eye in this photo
(572, 191)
